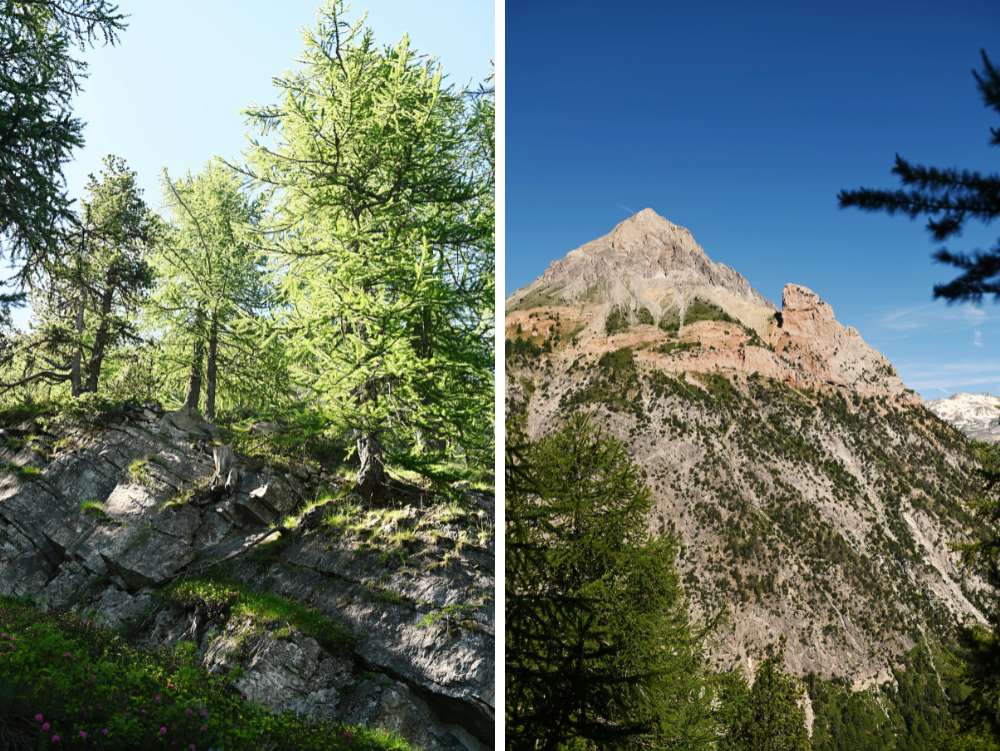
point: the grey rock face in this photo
(433, 674)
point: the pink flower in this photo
(188, 711)
(38, 718)
(202, 714)
(203, 728)
(105, 731)
(55, 738)
(163, 731)
(243, 695)
(156, 699)
(68, 655)
(83, 735)
(45, 726)
(346, 733)
(191, 747)
(142, 711)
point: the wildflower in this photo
(347, 733)
(45, 726)
(243, 695)
(203, 714)
(68, 655)
(142, 711)
(83, 734)
(156, 699)
(203, 728)
(38, 718)
(191, 747)
(105, 731)
(188, 711)
(163, 731)
(98, 706)
(55, 738)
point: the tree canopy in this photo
(38, 77)
(382, 219)
(600, 651)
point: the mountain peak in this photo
(645, 262)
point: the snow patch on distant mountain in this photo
(976, 415)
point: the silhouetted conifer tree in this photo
(950, 198)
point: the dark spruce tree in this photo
(600, 652)
(950, 198)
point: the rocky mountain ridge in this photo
(976, 415)
(814, 494)
(101, 514)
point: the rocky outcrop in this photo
(115, 512)
(648, 270)
(976, 415)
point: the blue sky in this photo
(741, 121)
(169, 94)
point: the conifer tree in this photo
(38, 77)
(87, 296)
(211, 294)
(600, 652)
(387, 260)
(766, 716)
(950, 197)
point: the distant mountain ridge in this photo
(976, 415)
(814, 493)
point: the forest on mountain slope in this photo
(603, 649)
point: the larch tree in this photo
(600, 650)
(767, 715)
(379, 219)
(38, 78)
(86, 297)
(212, 288)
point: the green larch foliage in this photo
(383, 225)
(600, 652)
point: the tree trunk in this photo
(212, 369)
(194, 379)
(74, 368)
(100, 340)
(371, 475)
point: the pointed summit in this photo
(645, 263)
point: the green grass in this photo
(83, 679)
(96, 509)
(27, 473)
(699, 310)
(139, 471)
(617, 360)
(217, 592)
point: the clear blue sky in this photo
(741, 121)
(169, 94)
